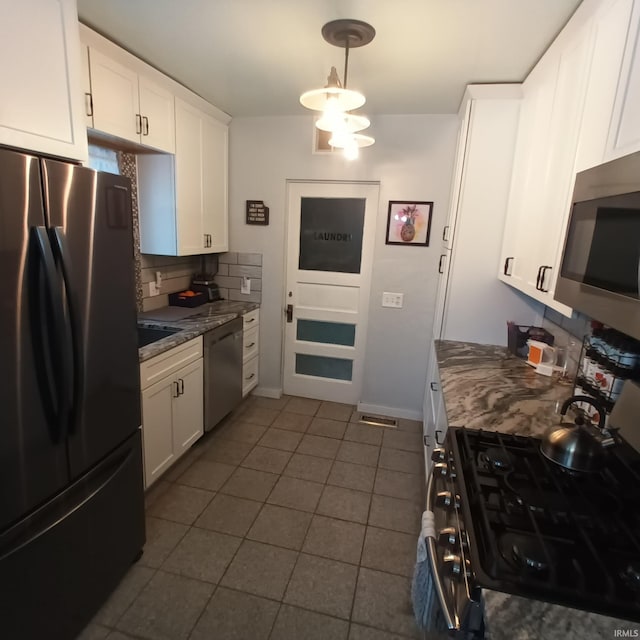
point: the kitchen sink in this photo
(147, 335)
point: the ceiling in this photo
(255, 57)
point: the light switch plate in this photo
(245, 285)
(393, 300)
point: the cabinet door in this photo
(558, 187)
(610, 30)
(441, 293)
(158, 116)
(86, 86)
(189, 187)
(157, 429)
(188, 411)
(456, 184)
(41, 108)
(115, 97)
(214, 183)
(429, 412)
(624, 136)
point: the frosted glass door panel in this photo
(323, 367)
(326, 332)
(331, 234)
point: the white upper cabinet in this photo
(562, 128)
(41, 109)
(471, 305)
(624, 134)
(182, 199)
(128, 105)
(566, 124)
(609, 36)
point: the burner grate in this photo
(541, 531)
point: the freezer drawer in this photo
(58, 566)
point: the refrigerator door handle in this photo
(50, 333)
(71, 338)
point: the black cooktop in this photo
(538, 530)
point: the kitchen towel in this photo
(426, 607)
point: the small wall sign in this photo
(257, 212)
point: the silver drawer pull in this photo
(253, 344)
(253, 375)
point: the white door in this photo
(331, 233)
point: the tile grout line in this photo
(263, 503)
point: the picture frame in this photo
(409, 222)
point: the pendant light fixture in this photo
(335, 100)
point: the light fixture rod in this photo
(346, 62)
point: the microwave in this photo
(600, 267)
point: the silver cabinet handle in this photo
(88, 103)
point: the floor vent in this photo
(378, 421)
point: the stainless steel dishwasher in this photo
(222, 371)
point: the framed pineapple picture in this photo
(409, 223)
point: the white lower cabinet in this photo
(172, 406)
(435, 422)
(250, 350)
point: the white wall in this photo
(413, 160)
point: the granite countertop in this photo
(204, 318)
(484, 386)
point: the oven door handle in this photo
(451, 619)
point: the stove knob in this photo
(438, 455)
(446, 500)
(453, 566)
(444, 469)
(448, 537)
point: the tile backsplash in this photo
(177, 273)
(232, 268)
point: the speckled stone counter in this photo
(205, 318)
(486, 387)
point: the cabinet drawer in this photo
(250, 343)
(251, 319)
(170, 361)
(249, 375)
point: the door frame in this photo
(368, 252)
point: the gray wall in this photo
(412, 159)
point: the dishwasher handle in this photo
(223, 336)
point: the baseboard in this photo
(267, 392)
(392, 412)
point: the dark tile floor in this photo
(290, 521)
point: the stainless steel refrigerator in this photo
(71, 489)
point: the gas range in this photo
(512, 521)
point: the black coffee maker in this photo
(202, 282)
